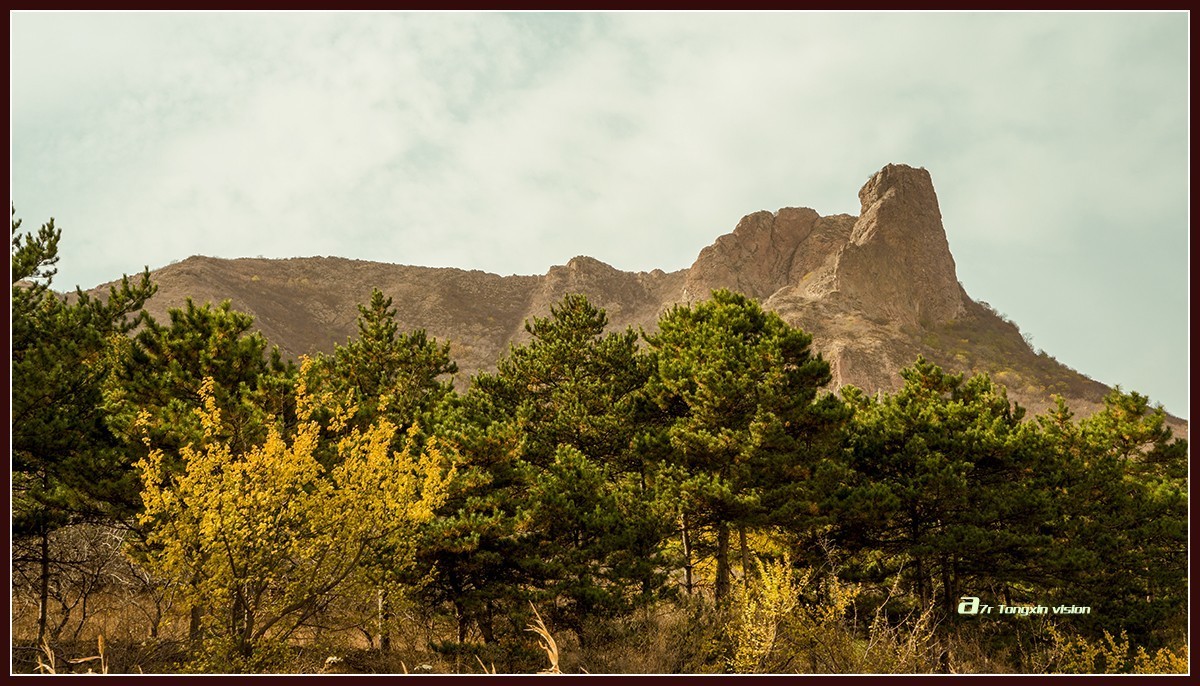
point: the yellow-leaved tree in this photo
(263, 539)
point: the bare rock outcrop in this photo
(756, 259)
(891, 262)
(897, 263)
(628, 298)
(768, 251)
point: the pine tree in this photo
(594, 549)
(387, 372)
(572, 392)
(547, 439)
(67, 466)
(950, 486)
(473, 550)
(384, 374)
(744, 426)
(572, 384)
(164, 366)
(1121, 539)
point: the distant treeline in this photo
(689, 501)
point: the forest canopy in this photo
(691, 500)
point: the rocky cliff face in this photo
(897, 262)
(874, 290)
(862, 285)
(632, 299)
(892, 262)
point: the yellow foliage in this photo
(1165, 661)
(259, 538)
(1078, 655)
(774, 630)
(763, 609)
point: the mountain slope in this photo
(875, 290)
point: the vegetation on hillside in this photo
(692, 501)
(973, 342)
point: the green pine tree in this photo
(386, 374)
(164, 367)
(1122, 533)
(744, 429)
(547, 440)
(67, 466)
(952, 491)
(384, 371)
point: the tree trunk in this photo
(745, 556)
(196, 614)
(687, 556)
(385, 616)
(722, 561)
(485, 624)
(44, 586)
(461, 615)
(922, 591)
(948, 593)
(156, 621)
(241, 625)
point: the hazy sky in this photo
(1057, 142)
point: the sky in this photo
(511, 142)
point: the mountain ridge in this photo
(875, 290)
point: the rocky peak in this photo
(892, 262)
(580, 274)
(897, 262)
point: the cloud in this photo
(511, 142)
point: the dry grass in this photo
(485, 667)
(546, 641)
(823, 633)
(49, 666)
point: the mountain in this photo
(875, 291)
